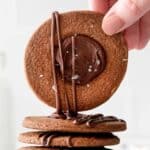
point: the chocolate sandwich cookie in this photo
(71, 64)
(81, 123)
(48, 148)
(68, 140)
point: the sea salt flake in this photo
(88, 85)
(76, 55)
(67, 52)
(90, 66)
(89, 70)
(75, 77)
(95, 70)
(41, 76)
(98, 62)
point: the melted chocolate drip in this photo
(55, 24)
(57, 96)
(47, 137)
(92, 120)
(74, 93)
(88, 120)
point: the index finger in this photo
(101, 6)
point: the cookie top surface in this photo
(85, 124)
(68, 140)
(73, 47)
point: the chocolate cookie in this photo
(68, 140)
(48, 148)
(82, 124)
(72, 64)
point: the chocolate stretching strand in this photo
(61, 58)
(58, 102)
(74, 93)
(59, 44)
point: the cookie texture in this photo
(60, 125)
(68, 140)
(101, 88)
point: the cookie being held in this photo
(79, 67)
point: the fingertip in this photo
(112, 24)
(99, 5)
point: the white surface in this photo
(131, 102)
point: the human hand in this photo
(132, 16)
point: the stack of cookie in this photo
(73, 66)
(86, 131)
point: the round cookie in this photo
(48, 148)
(61, 125)
(98, 90)
(68, 140)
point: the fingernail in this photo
(112, 24)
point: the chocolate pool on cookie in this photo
(72, 64)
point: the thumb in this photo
(123, 14)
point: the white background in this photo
(18, 20)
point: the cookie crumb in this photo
(124, 59)
(75, 77)
(113, 90)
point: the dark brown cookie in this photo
(95, 88)
(68, 140)
(48, 148)
(99, 125)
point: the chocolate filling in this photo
(90, 59)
